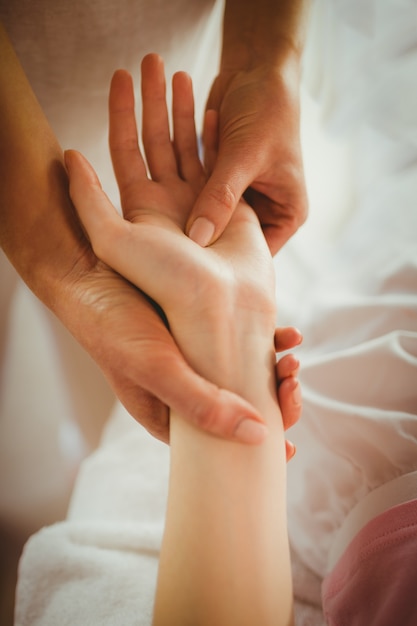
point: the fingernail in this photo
(300, 338)
(291, 450)
(202, 231)
(296, 394)
(296, 366)
(248, 431)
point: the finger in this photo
(128, 164)
(149, 373)
(210, 139)
(97, 214)
(279, 219)
(290, 401)
(164, 373)
(155, 122)
(290, 450)
(137, 253)
(214, 410)
(287, 338)
(185, 136)
(147, 409)
(287, 366)
(218, 199)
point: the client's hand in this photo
(203, 292)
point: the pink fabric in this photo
(375, 581)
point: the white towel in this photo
(99, 566)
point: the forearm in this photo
(262, 32)
(38, 229)
(225, 553)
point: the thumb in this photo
(212, 409)
(217, 200)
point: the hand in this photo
(259, 155)
(108, 316)
(126, 160)
(288, 387)
(144, 366)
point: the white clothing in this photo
(70, 49)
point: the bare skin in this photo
(108, 316)
(226, 518)
(256, 97)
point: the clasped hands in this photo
(211, 296)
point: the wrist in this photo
(262, 33)
(235, 350)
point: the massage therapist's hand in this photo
(256, 97)
(110, 318)
(161, 365)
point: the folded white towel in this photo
(100, 566)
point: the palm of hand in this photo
(149, 246)
(126, 336)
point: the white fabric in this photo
(100, 566)
(357, 301)
(70, 50)
(359, 372)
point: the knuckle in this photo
(223, 195)
(219, 414)
(107, 236)
(206, 415)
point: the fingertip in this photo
(121, 74)
(298, 334)
(287, 338)
(217, 201)
(287, 367)
(290, 392)
(78, 165)
(290, 449)
(290, 401)
(182, 78)
(152, 59)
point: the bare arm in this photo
(225, 554)
(44, 245)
